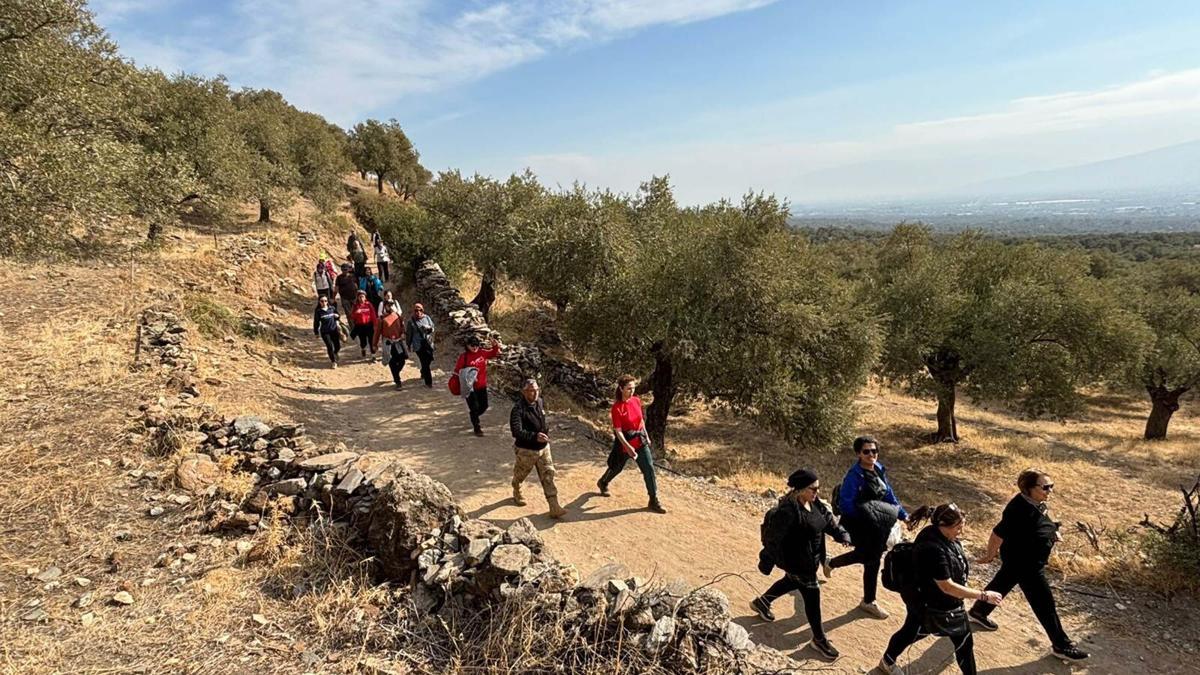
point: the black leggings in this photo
(870, 559)
(911, 632)
(811, 593)
(477, 404)
(396, 362)
(1032, 580)
(365, 333)
(425, 356)
(333, 345)
(383, 269)
(645, 461)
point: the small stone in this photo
(259, 619)
(477, 550)
(196, 473)
(661, 634)
(616, 586)
(243, 547)
(350, 482)
(510, 558)
(181, 500)
(122, 598)
(737, 637)
(83, 581)
(87, 619)
(83, 600)
(155, 511)
(49, 574)
(188, 557)
(122, 535)
(329, 461)
(291, 486)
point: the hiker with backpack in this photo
(362, 321)
(630, 441)
(793, 537)
(390, 331)
(531, 445)
(383, 259)
(1023, 539)
(389, 300)
(347, 288)
(358, 255)
(325, 324)
(419, 330)
(470, 377)
(869, 509)
(322, 281)
(373, 287)
(931, 577)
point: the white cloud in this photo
(347, 58)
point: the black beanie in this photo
(801, 478)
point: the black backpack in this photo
(900, 568)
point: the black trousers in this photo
(425, 356)
(396, 362)
(364, 335)
(383, 266)
(810, 591)
(911, 632)
(870, 559)
(477, 404)
(1032, 580)
(333, 345)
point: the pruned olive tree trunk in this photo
(1163, 404)
(662, 386)
(264, 211)
(946, 368)
(486, 296)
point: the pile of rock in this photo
(518, 361)
(161, 341)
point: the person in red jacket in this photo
(362, 322)
(471, 369)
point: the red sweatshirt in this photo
(478, 361)
(363, 314)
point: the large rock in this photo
(599, 579)
(509, 559)
(402, 515)
(707, 610)
(523, 532)
(249, 427)
(326, 462)
(196, 473)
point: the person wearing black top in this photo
(1024, 538)
(794, 541)
(531, 445)
(325, 324)
(935, 606)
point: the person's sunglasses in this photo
(1047, 487)
(870, 451)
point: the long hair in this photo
(621, 382)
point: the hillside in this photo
(85, 498)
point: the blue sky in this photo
(813, 101)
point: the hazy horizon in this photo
(817, 104)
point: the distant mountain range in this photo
(1171, 168)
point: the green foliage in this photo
(382, 148)
(1167, 297)
(411, 233)
(1011, 323)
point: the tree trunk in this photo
(1163, 403)
(662, 385)
(947, 431)
(560, 308)
(264, 211)
(155, 230)
(486, 296)
(363, 174)
(379, 182)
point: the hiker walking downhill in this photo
(322, 281)
(357, 255)
(1023, 539)
(419, 330)
(372, 286)
(793, 537)
(869, 509)
(383, 259)
(362, 321)
(325, 324)
(630, 441)
(347, 288)
(389, 300)
(471, 371)
(390, 332)
(531, 446)
(934, 604)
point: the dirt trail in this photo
(703, 537)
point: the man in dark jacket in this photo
(793, 535)
(347, 287)
(531, 444)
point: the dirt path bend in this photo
(705, 535)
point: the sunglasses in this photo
(1047, 487)
(870, 451)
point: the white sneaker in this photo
(887, 669)
(872, 609)
(826, 568)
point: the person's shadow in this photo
(576, 511)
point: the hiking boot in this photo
(826, 650)
(656, 507)
(826, 568)
(556, 511)
(885, 668)
(761, 608)
(873, 610)
(982, 621)
(517, 498)
(399, 386)
(364, 352)
(478, 431)
(603, 488)
(1070, 653)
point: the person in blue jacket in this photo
(869, 510)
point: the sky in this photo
(813, 101)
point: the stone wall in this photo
(462, 320)
(453, 567)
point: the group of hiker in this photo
(930, 574)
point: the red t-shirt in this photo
(478, 361)
(627, 416)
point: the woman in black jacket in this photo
(794, 541)
(325, 324)
(1023, 539)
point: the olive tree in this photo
(1014, 323)
(1167, 297)
(382, 148)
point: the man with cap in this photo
(531, 445)
(793, 537)
(419, 332)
